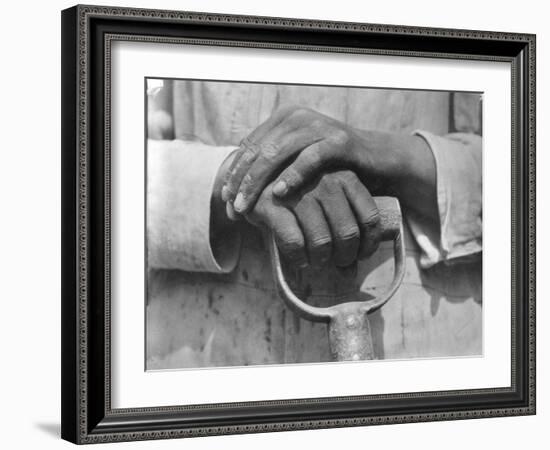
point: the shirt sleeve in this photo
(180, 181)
(458, 238)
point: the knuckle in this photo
(318, 125)
(249, 182)
(248, 145)
(249, 155)
(231, 191)
(269, 151)
(348, 177)
(320, 249)
(290, 176)
(245, 160)
(321, 245)
(340, 138)
(299, 112)
(312, 157)
(372, 221)
(245, 142)
(328, 186)
(370, 240)
(290, 245)
(348, 233)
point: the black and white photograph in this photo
(292, 224)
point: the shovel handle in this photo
(390, 217)
(352, 312)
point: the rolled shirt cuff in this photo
(458, 238)
(180, 183)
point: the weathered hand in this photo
(315, 140)
(333, 218)
(297, 144)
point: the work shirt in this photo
(219, 306)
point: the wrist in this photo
(391, 160)
(402, 166)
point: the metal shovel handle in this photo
(349, 330)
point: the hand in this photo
(315, 139)
(306, 143)
(334, 217)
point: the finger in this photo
(230, 212)
(288, 236)
(343, 225)
(307, 165)
(278, 146)
(286, 230)
(366, 213)
(315, 229)
(247, 150)
(247, 153)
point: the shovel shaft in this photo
(349, 334)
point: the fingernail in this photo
(239, 203)
(225, 193)
(280, 188)
(230, 211)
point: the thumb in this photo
(305, 167)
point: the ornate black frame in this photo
(87, 31)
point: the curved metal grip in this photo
(312, 313)
(392, 229)
(391, 222)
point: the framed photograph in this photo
(279, 224)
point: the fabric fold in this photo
(458, 238)
(180, 183)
